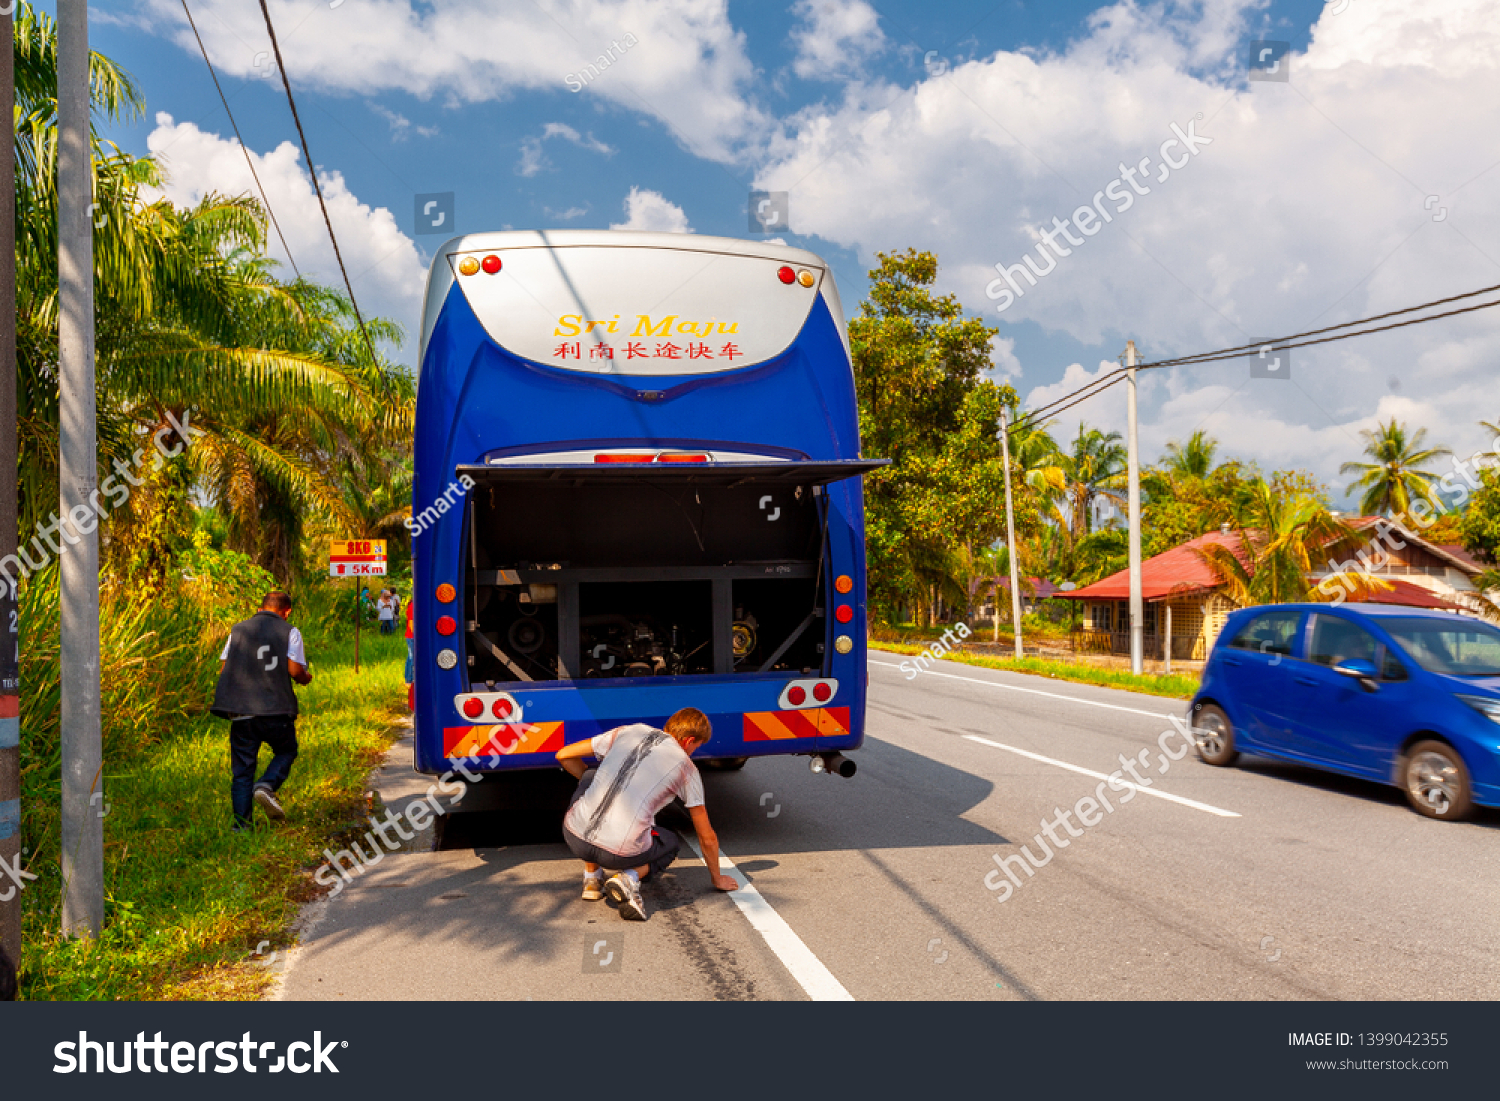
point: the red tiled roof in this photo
(1169, 573)
(1406, 594)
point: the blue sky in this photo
(963, 127)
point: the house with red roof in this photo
(1185, 600)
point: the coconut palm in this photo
(1095, 469)
(1396, 478)
(1280, 537)
(1194, 459)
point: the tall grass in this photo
(187, 901)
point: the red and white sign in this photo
(357, 558)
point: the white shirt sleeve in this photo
(295, 651)
(225, 655)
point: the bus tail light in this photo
(473, 707)
(843, 644)
(807, 693)
(502, 708)
(843, 613)
(468, 266)
(490, 264)
(681, 457)
(446, 625)
(621, 457)
(844, 584)
(805, 277)
(786, 275)
(445, 593)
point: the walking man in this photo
(611, 822)
(262, 658)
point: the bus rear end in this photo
(637, 490)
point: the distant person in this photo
(385, 609)
(611, 821)
(262, 658)
(411, 660)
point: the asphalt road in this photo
(1263, 881)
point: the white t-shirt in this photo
(295, 650)
(641, 769)
(386, 609)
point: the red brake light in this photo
(501, 708)
(795, 695)
(682, 458)
(786, 274)
(490, 264)
(446, 625)
(843, 613)
(623, 458)
(821, 692)
(473, 707)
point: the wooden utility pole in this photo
(10, 640)
(83, 808)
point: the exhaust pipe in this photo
(835, 763)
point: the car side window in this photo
(1392, 668)
(1269, 633)
(1336, 640)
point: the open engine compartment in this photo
(577, 578)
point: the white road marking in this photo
(1032, 691)
(797, 957)
(1222, 813)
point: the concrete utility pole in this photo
(1133, 499)
(78, 473)
(10, 642)
(1010, 533)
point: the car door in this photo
(1257, 672)
(1337, 720)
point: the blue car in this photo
(1402, 696)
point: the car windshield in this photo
(1464, 649)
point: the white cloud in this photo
(649, 210)
(401, 125)
(1308, 208)
(687, 67)
(383, 263)
(833, 37)
(533, 160)
(1003, 355)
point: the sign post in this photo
(357, 558)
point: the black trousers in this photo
(245, 738)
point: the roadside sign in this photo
(357, 558)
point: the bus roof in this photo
(598, 286)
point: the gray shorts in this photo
(664, 843)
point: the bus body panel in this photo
(479, 402)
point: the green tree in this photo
(1095, 468)
(1480, 523)
(925, 404)
(1194, 459)
(1284, 531)
(1396, 477)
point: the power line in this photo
(317, 188)
(264, 196)
(1099, 385)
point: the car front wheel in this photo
(1213, 735)
(1436, 782)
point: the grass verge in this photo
(1176, 686)
(187, 901)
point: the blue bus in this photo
(636, 489)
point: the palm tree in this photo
(1396, 478)
(1042, 467)
(1280, 538)
(1195, 459)
(1095, 469)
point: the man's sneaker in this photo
(626, 890)
(267, 800)
(593, 889)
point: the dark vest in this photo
(256, 680)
